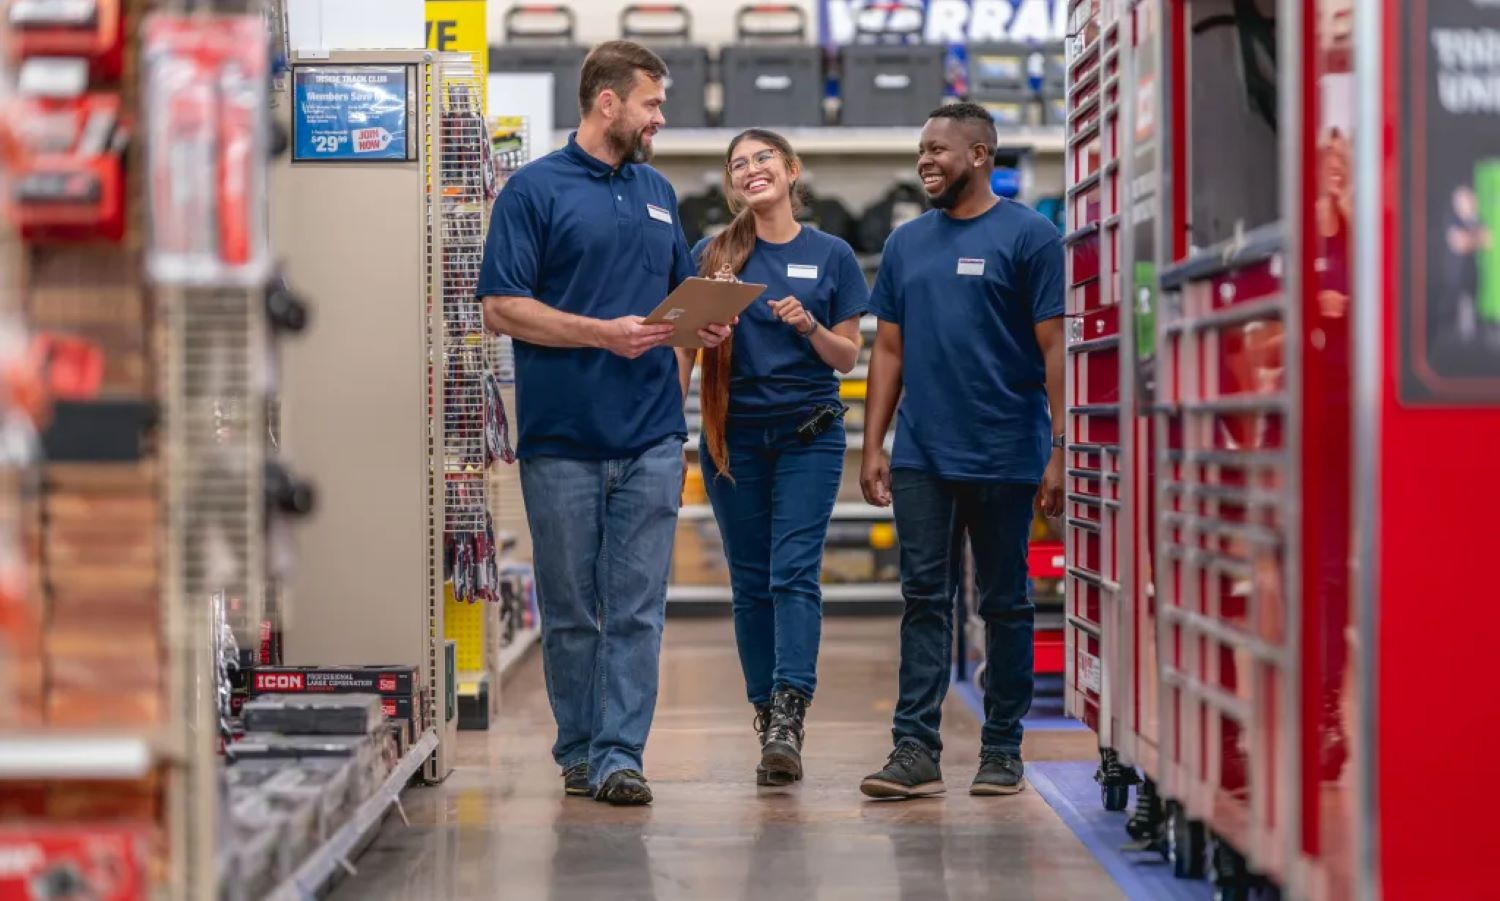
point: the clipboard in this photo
(700, 301)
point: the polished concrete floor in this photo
(500, 827)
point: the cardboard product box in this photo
(97, 578)
(99, 862)
(104, 510)
(72, 611)
(396, 686)
(93, 642)
(137, 479)
(103, 709)
(66, 674)
(101, 545)
(385, 681)
(97, 800)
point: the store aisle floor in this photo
(500, 827)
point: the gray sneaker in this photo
(1000, 773)
(910, 772)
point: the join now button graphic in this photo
(372, 140)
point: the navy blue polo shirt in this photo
(590, 240)
(774, 371)
(967, 294)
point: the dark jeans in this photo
(774, 520)
(601, 535)
(932, 517)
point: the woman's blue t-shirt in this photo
(773, 370)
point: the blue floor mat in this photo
(1070, 788)
(1046, 707)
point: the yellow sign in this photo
(461, 26)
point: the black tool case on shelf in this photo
(772, 76)
(540, 38)
(667, 28)
(890, 78)
(1013, 109)
(999, 70)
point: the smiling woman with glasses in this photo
(773, 441)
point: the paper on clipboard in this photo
(700, 301)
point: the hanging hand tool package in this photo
(208, 137)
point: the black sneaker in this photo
(624, 788)
(576, 780)
(781, 755)
(762, 726)
(999, 774)
(910, 772)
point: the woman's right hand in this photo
(875, 478)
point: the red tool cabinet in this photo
(1284, 377)
(1100, 409)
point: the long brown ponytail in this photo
(732, 247)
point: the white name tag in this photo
(659, 214)
(795, 271)
(970, 267)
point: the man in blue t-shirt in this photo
(582, 245)
(970, 303)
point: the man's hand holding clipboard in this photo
(702, 305)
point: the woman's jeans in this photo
(774, 517)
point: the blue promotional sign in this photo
(349, 113)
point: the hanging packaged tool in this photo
(209, 137)
(91, 30)
(67, 170)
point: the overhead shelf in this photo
(60, 754)
(835, 139)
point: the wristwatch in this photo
(809, 332)
(1059, 441)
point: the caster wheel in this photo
(1185, 844)
(1231, 878)
(1115, 797)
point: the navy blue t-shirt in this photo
(586, 239)
(773, 370)
(967, 294)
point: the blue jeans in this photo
(601, 534)
(774, 520)
(932, 517)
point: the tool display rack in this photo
(1099, 410)
(396, 370)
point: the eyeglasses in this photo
(740, 165)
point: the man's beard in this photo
(949, 198)
(629, 146)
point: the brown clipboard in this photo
(700, 301)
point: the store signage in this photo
(350, 113)
(460, 26)
(1449, 305)
(952, 22)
